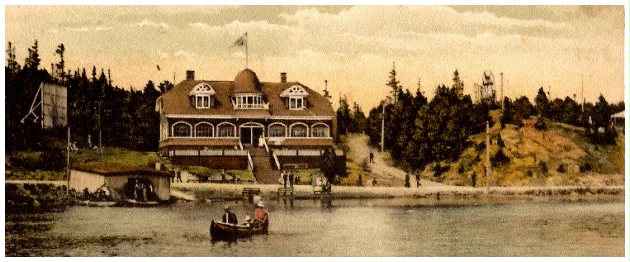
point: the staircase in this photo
(263, 171)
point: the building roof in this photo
(176, 101)
(246, 82)
(109, 169)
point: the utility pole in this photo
(68, 162)
(488, 164)
(583, 100)
(383, 128)
(502, 107)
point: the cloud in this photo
(149, 23)
(239, 54)
(100, 28)
(185, 54)
(80, 29)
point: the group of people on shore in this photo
(287, 179)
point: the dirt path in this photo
(381, 170)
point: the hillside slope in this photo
(560, 155)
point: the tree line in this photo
(594, 118)
(125, 118)
(419, 132)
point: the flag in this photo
(240, 41)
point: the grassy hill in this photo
(560, 155)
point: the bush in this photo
(540, 124)
(461, 169)
(439, 170)
(481, 146)
(543, 167)
(500, 141)
(562, 169)
(500, 158)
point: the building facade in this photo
(225, 124)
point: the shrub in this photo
(439, 169)
(540, 124)
(500, 158)
(562, 169)
(500, 141)
(481, 146)
(543, 167)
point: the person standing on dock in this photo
(179, 176)
(407, 185)
(418, 184)
(371, 157)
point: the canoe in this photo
(225, 231)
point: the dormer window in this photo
(203, 96)
(203, 101)
(296, 95)
(249, 101)
(296, 103)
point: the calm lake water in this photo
(312, 228)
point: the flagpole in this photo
(246, 55)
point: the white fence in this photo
(213, 152)
(303, 152)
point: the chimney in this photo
(283, 77)
(190, 75)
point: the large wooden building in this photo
(245, 123)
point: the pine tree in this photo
(393, 83)
(33, 60)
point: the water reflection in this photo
(322, 228)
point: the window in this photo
(203, 101)
(277, 130)
(249, 102)
(298, 130)
(227, 130)
(203, 130)
(320, 130)
(296, 103)
(181, 130)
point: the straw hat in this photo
(260, 204)
(226, 208)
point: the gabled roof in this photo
(176, 101)
(294, 90)
(202, 89)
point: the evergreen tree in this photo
(542, 103)
(393, 83)
(33, 60)
(343, 116)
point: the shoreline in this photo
(229, 192)
(427, 195)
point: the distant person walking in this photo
(360, 180)
(371, 157)
(284, 179)
(407, 185)
(291, 180)
(179, 176)
(418, 184)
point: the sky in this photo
(353, 47)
